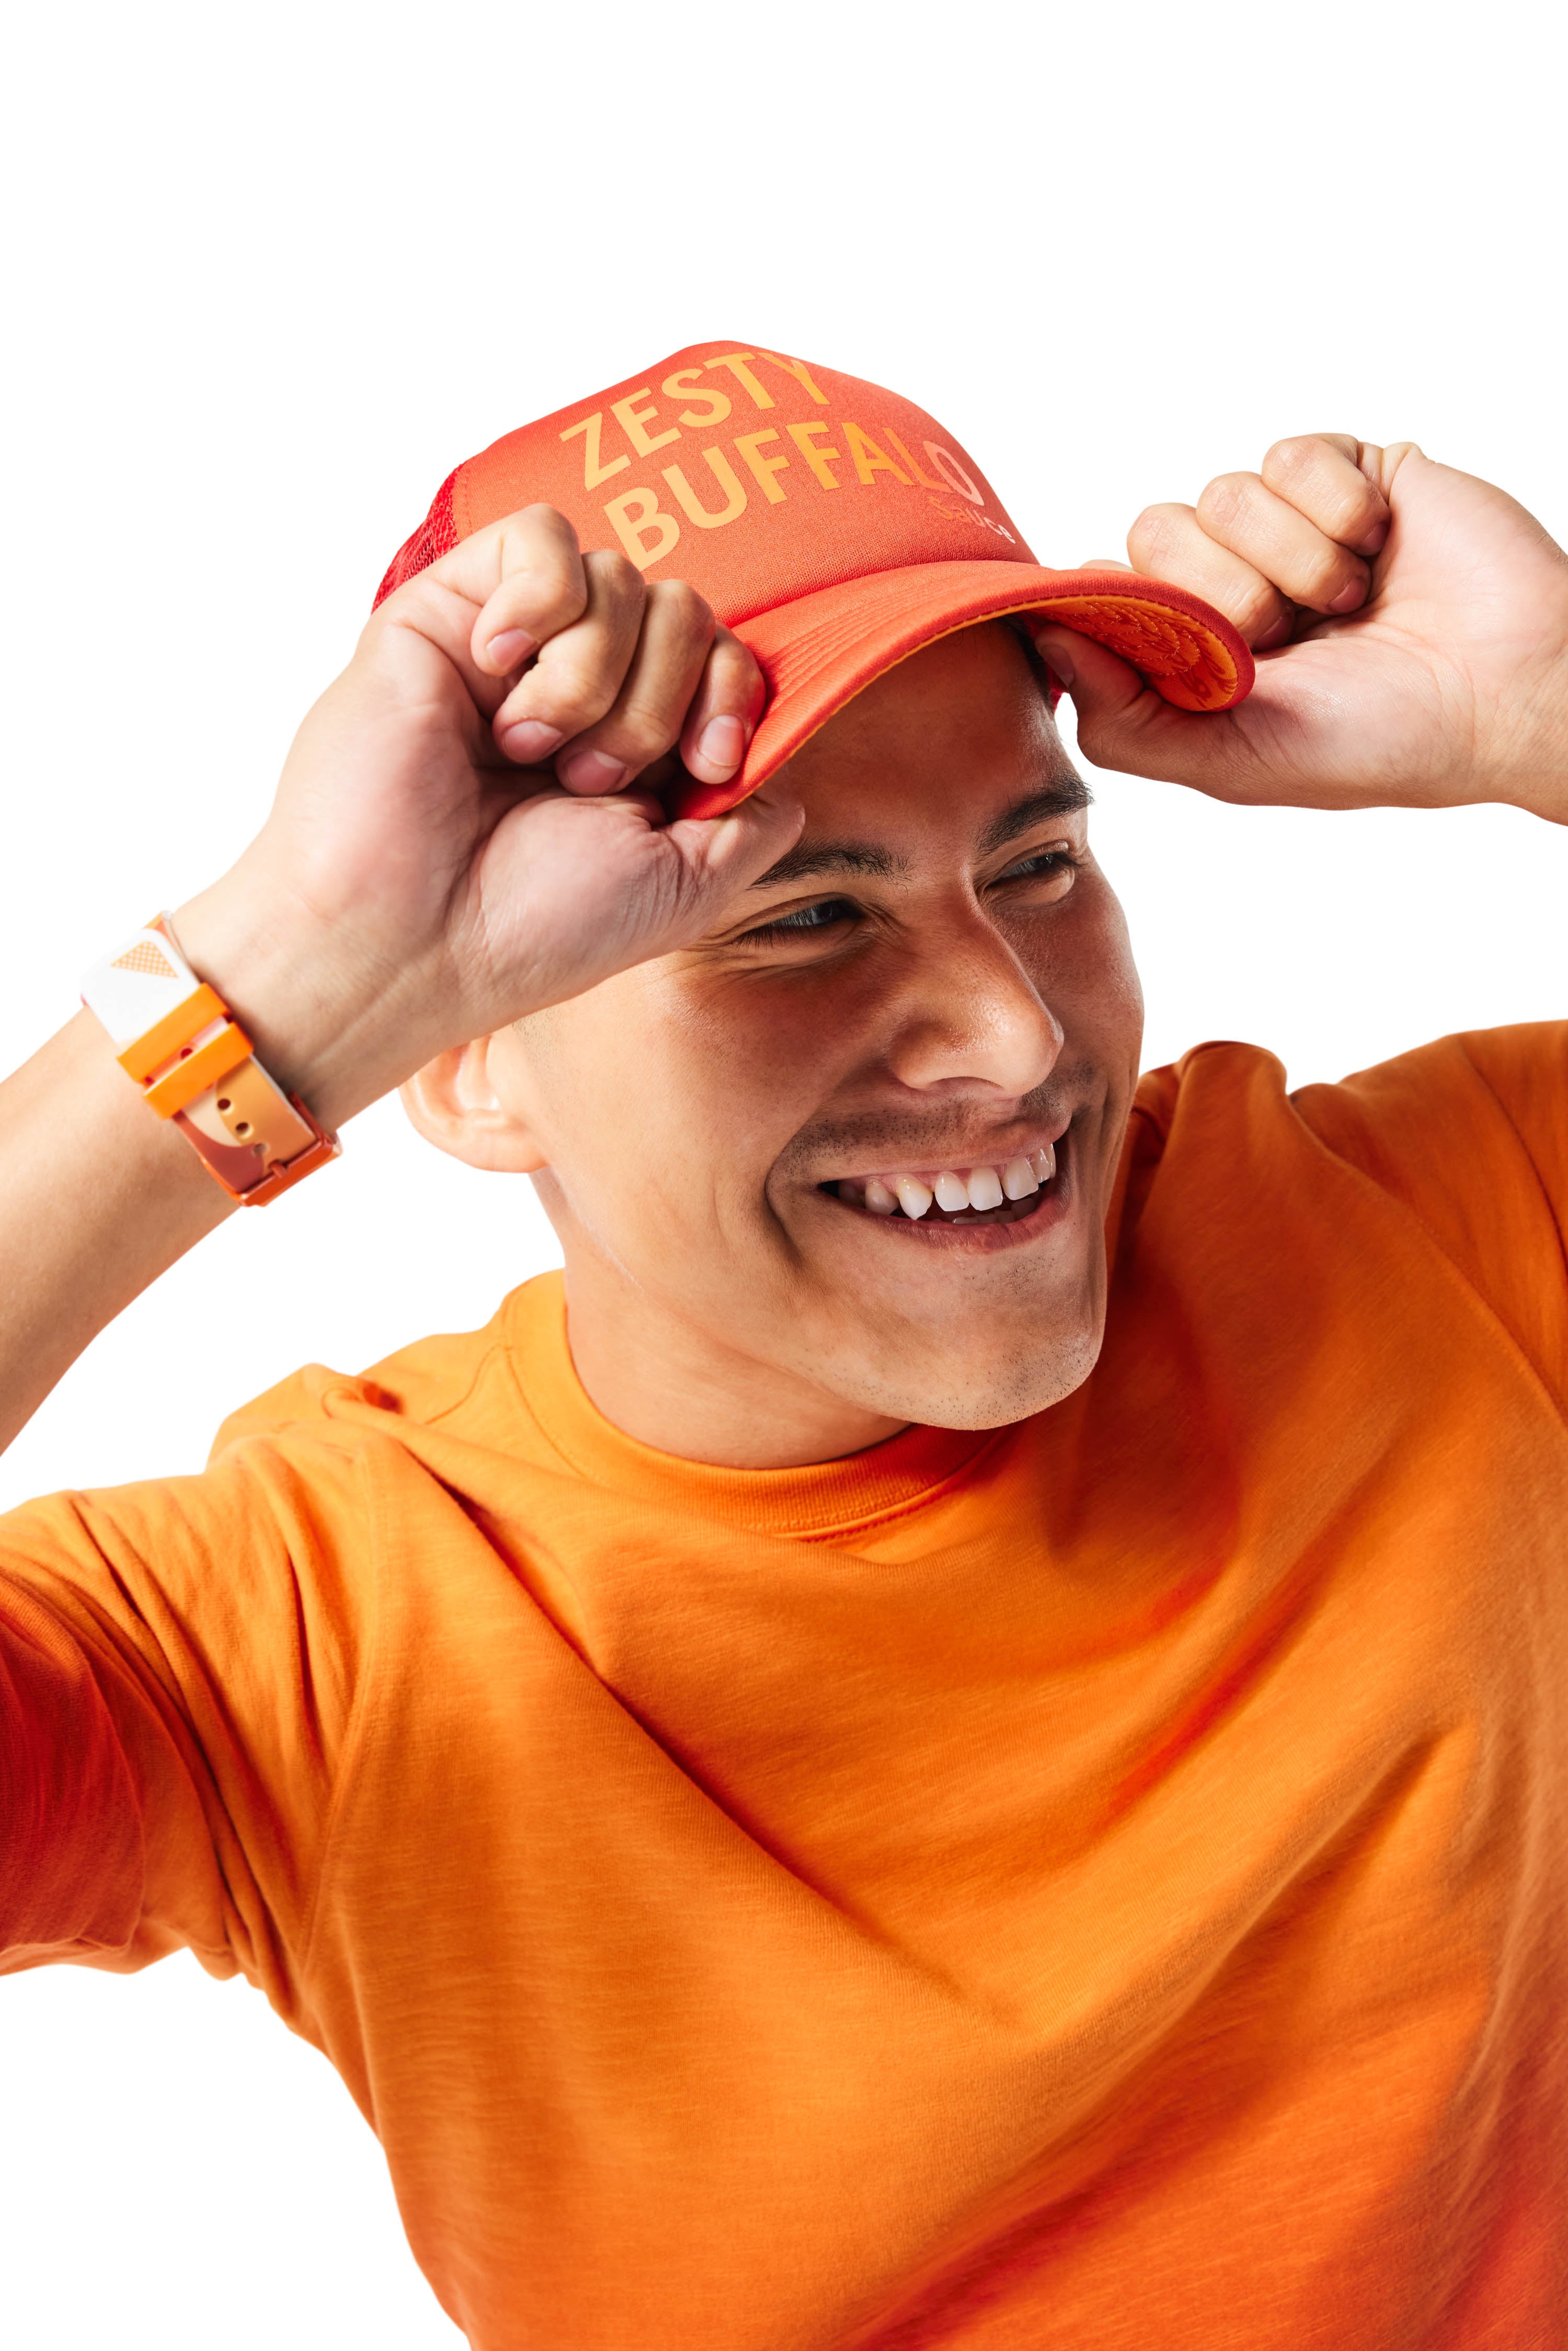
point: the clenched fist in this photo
(1411, 625)
(468, 827)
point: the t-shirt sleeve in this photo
(1471, 1135)
(178, 1666)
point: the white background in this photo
(271, 273)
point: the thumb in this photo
(1122, 722)
(725, 854)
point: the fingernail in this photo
(722, 744)
(530, 741)
(512, 646)
(1060, 666)
(1349, 598)
(592, 771)
(1374, 540)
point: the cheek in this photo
(757, 1049)
(749, 1066)
(662, 1102)
(1124, 994)
(1081, 961)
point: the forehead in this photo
(948, 743)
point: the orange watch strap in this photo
(174, 1037)
(190, 1017)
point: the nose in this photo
(972, 1019)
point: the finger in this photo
(1257, 755)
(579, 670)
(724, 712)
(1126, 725)
(1240, 513)
(529, 559)
(1380, 465)
(1335, 483)
(1169, 543)
(646, 716)
(540, 588)
(1118, 717)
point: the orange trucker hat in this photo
(833, 526)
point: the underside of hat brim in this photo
(818, 653)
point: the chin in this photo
(985, 1395)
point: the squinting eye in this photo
(1041, 866)
(824, 915)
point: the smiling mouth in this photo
(1003, 1192)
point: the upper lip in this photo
(956, 1160)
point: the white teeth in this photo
(914, 1198)
(981, 1189)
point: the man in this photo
(963, 1740)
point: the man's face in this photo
(932, 990)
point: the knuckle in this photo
(1256, 611)
(1291, 459)
(1321, 477)
(542, 575)
(593, 697)
(734, 668)
(543, 518)
(1227, 500)
(1156, 534)
(615, 580)
(550, 598)
(571, 697)
(743, 689)
(679, 602)
(642, 730)
(1326, 577)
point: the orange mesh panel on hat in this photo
(435, 537)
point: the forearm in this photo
(97, 1196)
(412, 891)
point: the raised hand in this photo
(424, 876)
(1411, 628)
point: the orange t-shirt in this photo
(1091, 1885)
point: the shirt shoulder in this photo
(466, 1385)
(1468, 1136)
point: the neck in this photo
(678, 1389)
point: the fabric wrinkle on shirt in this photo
(1090, 1884)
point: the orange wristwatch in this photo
(174, 1036)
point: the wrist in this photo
(316, 1012)
(1532, 772)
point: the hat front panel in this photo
(758, 478)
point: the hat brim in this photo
(820, 652)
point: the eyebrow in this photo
(1061, 799)
(816, 858)
(815, 861)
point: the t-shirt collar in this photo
(817, 1500)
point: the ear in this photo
(454, 1104)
